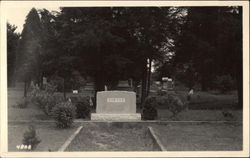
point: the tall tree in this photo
(211, 44)
(28, 58)
(12, 41)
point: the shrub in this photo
(171, 101)
(30, 137)
(161, 93)
(45, 99)
(58, 81)
(23, 103)
(64, 114)
(175, 104)
(149, 111)
(83, 109)
(82, 105)
(50, 88)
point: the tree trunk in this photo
(149, 76)
(239, 80)
(25, 88)
(64, 90)
(144, 83)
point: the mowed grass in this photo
(199, 115)
(174, 136)
(52, 137)
(201, 100)
(200, 136)
(32, 112)
(210, 100)
(112, 137)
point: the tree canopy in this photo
(116, 43)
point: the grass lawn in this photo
(200, 115)
(52, 137)
(133, 136)
(200, 137)
(112, 137)
(32, 112)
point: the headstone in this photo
(44, 80)
(167, 83)
(75, 91)
(124, 85)
(116, 106)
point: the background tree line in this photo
(115, 43)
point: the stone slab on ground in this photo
(115, 117)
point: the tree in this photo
(12, 41)
(110, 43)
(29, 50)
(210, 44)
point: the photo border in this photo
(3, 86)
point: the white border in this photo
(3, 86)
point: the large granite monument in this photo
(116, 106)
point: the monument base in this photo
(115, 117)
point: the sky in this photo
(17, 16)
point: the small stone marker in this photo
(168, 83)
(44, 80)
(116, 106)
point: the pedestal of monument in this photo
(116, 106)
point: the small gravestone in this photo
(44, 81)
(116, 106)
(167, 83)
(125, 85)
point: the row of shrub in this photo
(64, 111)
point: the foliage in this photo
(172, 101)
(208, 35)
(77, 45)
(57, 81)
(23, 103)
(76, 81)
(224, 83)
(175, 104)
(45, 99)
(29, 48)
(161, 93)
(83, 109)
(149, 112)
(30, 137)
(64, 114)
(12, 42)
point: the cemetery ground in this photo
(202, 127)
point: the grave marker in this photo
(116, 106)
